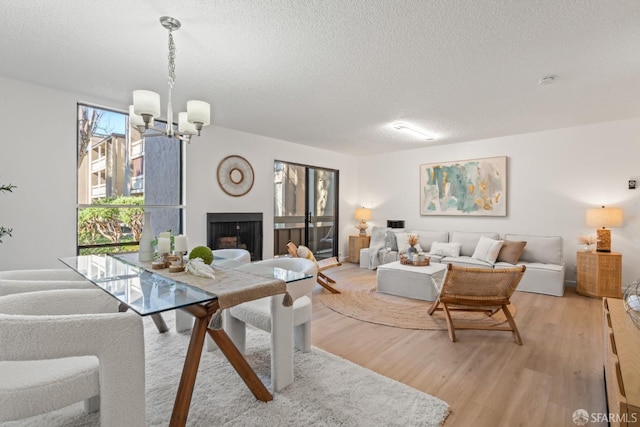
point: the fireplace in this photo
(236, 230)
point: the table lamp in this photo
(604, 217)
(363, 214)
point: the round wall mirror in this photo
(235, 176)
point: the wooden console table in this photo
(621, 363)
(599, 274)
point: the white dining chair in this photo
(230, 258)
(56, 274)
(289, 326)
(59, 347)
(11, 286)
(225, 258)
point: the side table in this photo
(599, 274)
(355, 244)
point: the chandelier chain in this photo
(172, 58)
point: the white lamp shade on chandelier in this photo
(146, 103)
(136, 120)
(198, 112)
(184, 126)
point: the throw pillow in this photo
(391, 242)
(487, 249)
(402, 239)
(305, 252)
(511, 251)
(445, 249)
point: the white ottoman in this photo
(410, 281)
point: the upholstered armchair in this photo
(10, 286)
(42, 274)
(58, 347)
(18, 281)
(227, 258)
(287, 325)
(230, 258)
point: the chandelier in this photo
(146, 104)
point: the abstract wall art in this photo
(475, 187)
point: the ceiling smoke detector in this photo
(546, 80)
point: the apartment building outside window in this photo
(120, 174)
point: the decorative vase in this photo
(145, 251)
(411, 251)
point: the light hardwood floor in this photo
(485, 377)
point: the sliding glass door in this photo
(305, 208)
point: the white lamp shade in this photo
(146, 102)
(604, 217)
(363, 213)
(199, 112)
(184, 126)
(136, 120)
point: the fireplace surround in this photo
(236, 230)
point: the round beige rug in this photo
(360, 300)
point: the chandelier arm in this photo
(154, 131)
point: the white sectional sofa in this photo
(542, 255)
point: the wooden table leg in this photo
(192, 361)
(189, 372)
(240, 364)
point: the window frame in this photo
(79, 206)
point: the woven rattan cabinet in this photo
(599, 274)
(355, 244)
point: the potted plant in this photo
(6, 231)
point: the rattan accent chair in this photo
(478, 289)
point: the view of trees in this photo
(88, 123)
(109, 223)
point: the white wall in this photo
(205, 195)
(552, 178)
(38, 155)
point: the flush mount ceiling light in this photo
(146, 104)
(418, 133)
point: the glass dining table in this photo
(150, 292)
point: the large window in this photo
(122, 173)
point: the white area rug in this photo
(328, 391)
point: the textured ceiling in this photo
(335, 73)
